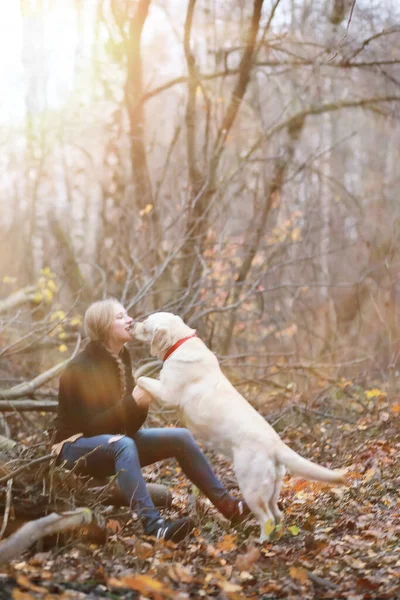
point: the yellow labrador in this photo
(215, 412)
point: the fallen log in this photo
(158, 492)
(28, 404)
(33, 531)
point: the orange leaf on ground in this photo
(25, 583)
(299, 574)
(179, 573)
(144, 550)
(228, 587)
(141, 583)
(227, 544)
(113, 526)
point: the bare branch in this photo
(7, 509)
(27, 465)
(370, 39)
(30, 386)
(300, 62)
(319, 109)
(241, 85)
(23, 296)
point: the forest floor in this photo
(335, 542)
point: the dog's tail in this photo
(307, 469)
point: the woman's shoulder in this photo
(82, 362)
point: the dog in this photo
(191, 380)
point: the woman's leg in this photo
(101, 457)
(105, 455)
(160, 443)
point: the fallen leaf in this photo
(245, 575)
(228, 587)
(374, 533)
(375, 393)
(179, 573)
(144, 550)
(299, 574)
(373, 473)
(19, 595)
(355, 563)
(227, 544)
(140, 583)
(246, 561)
(368, 582)
(294, 530)
(113, 526)
(39, 558)
(267, 552)
(212, 551)
(25, 583)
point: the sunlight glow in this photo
(48, 54)
(40, 55)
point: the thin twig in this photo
(347, 31)
(7, 509)
(319, 413)
(322, 582)
(36, 461)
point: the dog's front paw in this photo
(149, 385)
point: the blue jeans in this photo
(127, 456)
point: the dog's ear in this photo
(161, 341)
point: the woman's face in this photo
(121, 331)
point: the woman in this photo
(100, 415)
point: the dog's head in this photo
(161, 330)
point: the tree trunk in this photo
(203, 187)
(258, 228)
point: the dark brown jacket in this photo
(89, 396)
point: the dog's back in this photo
(217, 413)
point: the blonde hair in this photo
(99, 319)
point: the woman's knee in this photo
(123, 445)
(186, 438)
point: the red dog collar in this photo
(177, 344)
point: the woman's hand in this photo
(141, 397)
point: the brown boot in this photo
(236, 511)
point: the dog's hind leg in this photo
(273, 503)
(255, 473)
(265, 517)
